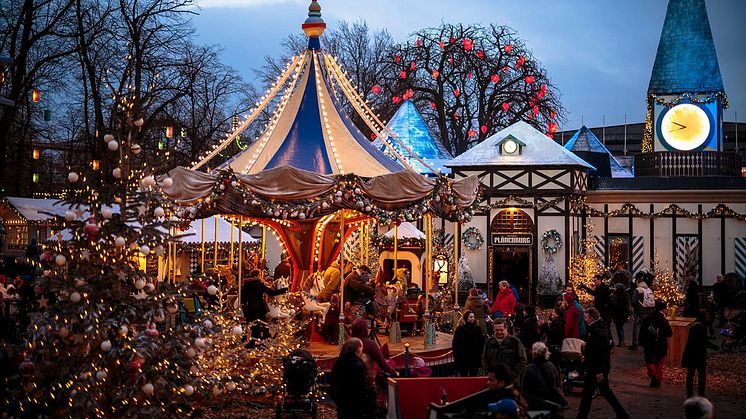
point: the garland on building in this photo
(551, 241)
(472, 238)
(719, 210)
(692, 98)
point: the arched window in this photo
(511, 221)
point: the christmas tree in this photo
(583, 267)
(465, 277)
(665, 285)
(550, 282)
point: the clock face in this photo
(685, 127)
(510, 146)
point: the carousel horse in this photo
(275, 304)
(310, 297)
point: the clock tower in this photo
(686, 97)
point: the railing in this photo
(688, 163)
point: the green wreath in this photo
(472, 238)
(556, 241)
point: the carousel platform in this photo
(438, 353)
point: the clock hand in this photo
(680, 125)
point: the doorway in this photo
(512, 264)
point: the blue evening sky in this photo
(599, 53)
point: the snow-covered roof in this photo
(33, 209)
(224, 232)
(406, 230)
(585, 140)
(538, 151)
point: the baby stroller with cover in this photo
(299, 379)
(571, 365)
(735, 334)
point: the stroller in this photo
(299, 378)
(571, 365)
(735, 334)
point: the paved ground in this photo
(629, 382)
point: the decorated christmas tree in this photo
(550, 282)
(583, 267)
(465, 277)
(665, 285)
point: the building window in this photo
(619, 251)
(511, 221)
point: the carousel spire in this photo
(314, 25)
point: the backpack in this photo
(648, 299)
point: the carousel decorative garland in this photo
(347, 192)
(555, 237)
(472, 238)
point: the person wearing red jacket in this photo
(572, 317)
(504, 300)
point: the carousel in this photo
(313, 179)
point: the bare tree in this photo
(470, 81)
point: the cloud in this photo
(242, 3)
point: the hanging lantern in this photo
(35, 95)
(160, 146)
(96, 164)
(183, 132)
(36, 154)
(35, 178)
(169, 132)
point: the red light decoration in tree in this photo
(483, 128)
(529, 79)
(441, 45)
(376, 89)
(508, 48)
(436, 73)
(468, 44)
(402, 74)
(506, 106)
(452, 40)
(397, 59)
(456, 92)
(519, 62)
(553, 127)
(372, 136)
(396, 99)
(536, 110)
(495, 78)
(433, 105)
(469, 75)
(552, 114)
(412, 65)
(480, 54)
(455, 115)
(417, 42)
(472, 133)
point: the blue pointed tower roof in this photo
(585, 141)
(310, 130)
(686, 60)
(410, 129)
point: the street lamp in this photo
(5, 63)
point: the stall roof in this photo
(194, 232)
(406, 230)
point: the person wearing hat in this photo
(467, 344)
(358, 293)
(504, 409)
(360, 330)
(654, 333)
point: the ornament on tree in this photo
(550, 282)
(106, 346)
(60, 260)
(101, 375)
(91, 229)
(151, 331)
(69, 215)
(149, 287)
(72, 177)
(188, 390)
(112, 145)
(138, 122)
(75, 297)
(199, 342)
(139, 283)
(237, 330)
(117, 173)
(135, 149)
(107, 213)
(108, 138)
(120, 241)
(148, 389)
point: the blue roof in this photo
(686, 60)
(585, 140)
(409, 129)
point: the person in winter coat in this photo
(601, 298)
(572, 318)
(467, 344)
(504, 348)
(694, 358)
(691, 300)
(529, 330)
(541, 381)
(504, 300)
(332, 280)
(253, 305)
(555, 334)
(284, 269)
(349, 386)
(597, 359)
(374, 359)
(476, 304)
(654, 333)
(358, 293)
(620, 311)
(639, 311)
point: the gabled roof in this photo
(686, 60)
(406, 230)
(585, 140)
(539, 151)
(409, 128)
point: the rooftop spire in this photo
(314, 25)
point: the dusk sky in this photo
(599, 53)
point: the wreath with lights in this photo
(472, 238)
(551, 241)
